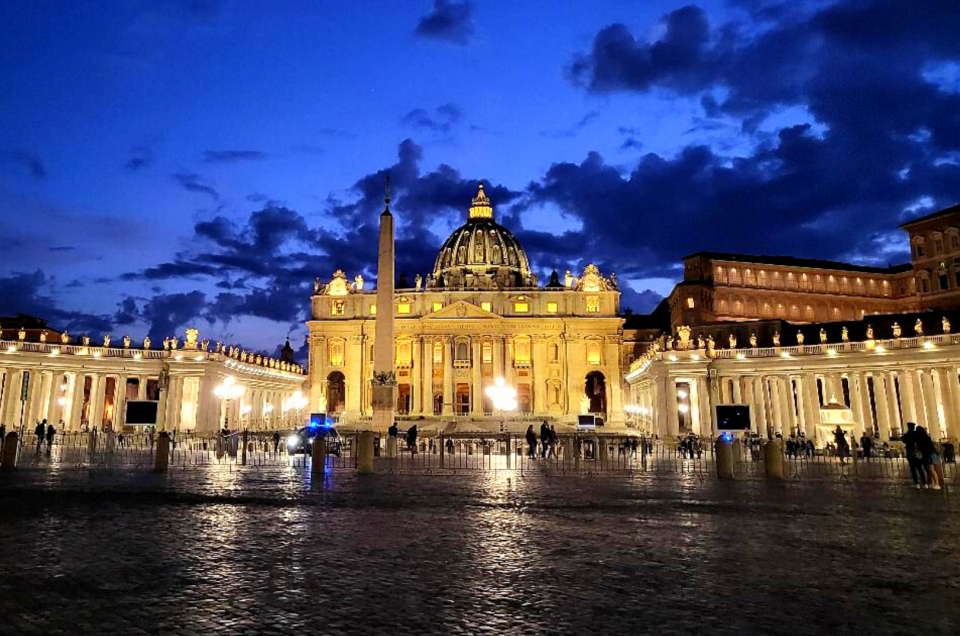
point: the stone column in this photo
(775, 404)
(659, 415)
(44, 396)
(54, 408)
(737, 391)
(97, 392)
(426, 376)
(447, 375)
(942, 385)
(930, 403)
(476, 378)
(75, 400)
(508, 371)
(538, 374)
(672, 415)
(854, 381)
(811, 404)
(416, 399)
(704, 392)
(11, 398)
(142, 387)
(882, 405)
(755, 384)
(908, 398)
(497, 357)
(893, 405)
(950, 378)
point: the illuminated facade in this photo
(480, 314)
(81, 385)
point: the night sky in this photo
(201, 162)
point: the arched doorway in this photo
(336, 392)
(403, 399)
(595, 388)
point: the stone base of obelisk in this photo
(384, 405)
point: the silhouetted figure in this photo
(39, 433)
(412, 439)
(911, 443)
(531, 442)
(51, 435)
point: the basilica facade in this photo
(478, 316)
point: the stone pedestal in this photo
(384, 402)
(392, 447)
(365, 453)
(725, 457)
(9, 457)
(162, 459)
(773, 459)
(318, 461)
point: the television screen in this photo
(141, 412)
(318, 419)
(586, 421)
(733, 417)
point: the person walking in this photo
(931, 458)
(544, 439)
(840, 439)
(552, 441)
(531, 442)
(412, 439)
(51, 434)
(911, 443)
(276, 442)
(38, 433)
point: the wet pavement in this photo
(266, 552)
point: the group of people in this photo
(690, 446)
(547, 444)
(43, 432)
(412, 434)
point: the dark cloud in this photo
(194, 183)
(167, 314)
(61, 248)
(440, 120)
(231, 156)
(33, 293)
(448, 21)
(256, 197)
(28, 160)
(140, 157)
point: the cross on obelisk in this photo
(384, 375)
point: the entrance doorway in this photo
(524, 404)
(336, 392)
(403, 399)
(595, 389)
(462, 402)
(438, 404)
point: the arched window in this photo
(336, 353)
(463, 351)
(495, 255)
(593, 352)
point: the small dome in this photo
(481, 254)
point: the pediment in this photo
(462, 310)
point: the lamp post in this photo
(226, 392)
(504, 399)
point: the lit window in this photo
(337, 308)
(593, 352)
(593, 304)
(551, 308)
(487, 353)
(403, 308)
(690, 303)
(521, 308)
(521, 349)
(486, 306)
(438, 352)
(373, 310)
(403, 352)
(437, 306)
(336, 353)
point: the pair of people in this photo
(923, 457)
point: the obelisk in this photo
(384, 374)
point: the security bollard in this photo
(773, 459)
(568, 450)
(243, 454)
(319, 458)
(392, 447)
(509, 453)
(162, 459)
(365, 453)
(600, 447)
(725, 457)
(9, 458)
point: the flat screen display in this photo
(318, 419)
(141, 412)
(733, 417)
(586, 421)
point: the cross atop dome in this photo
(481, 208)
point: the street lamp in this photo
(227, 391)
(504, 398)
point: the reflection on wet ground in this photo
(268, 552)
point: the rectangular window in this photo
(373, 310)
(944, 282)
(690, 303)
(403, 308)
(521, 308)
(486, 306)
(437, 306)
(551, 308)
(593, 304)
(337, 308)
(437, 353)
(487, 353)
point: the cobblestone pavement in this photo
(267, 552)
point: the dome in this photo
(481, 254)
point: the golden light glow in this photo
(593, 304)
(521, 308)
(403, 308)
(486, 306)
(593, 352)
(373, 310)
(437, 306)
(481, 208)
(551, 307)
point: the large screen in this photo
(733, 417)
(586, 421)
(141, 412)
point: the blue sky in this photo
(166, 163)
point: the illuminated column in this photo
(538, 375)
(11, 398)
(54, 408)
(426, 376)
(893, 405)
(930, 403)
(773, 399)
(659, 415)
(476, 390)
(704, 392)
(75, 400)
(811, 404)
(907, 395)
(120, 402)
(498, 357)
(792, 421)
(98, 391)
(142, 388)
(508, 362)
(947, 408)
(737, 391)
(917, 412)
(447, 375)
(880, 400)
(855, 383)
(672, 416)
(950, 379)
(208, 407)
(759, 412)
(416, 400)
(44, 396)
(354, 368)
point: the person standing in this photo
(51, 434)
(412, 439)
(544, 439)
(911, 445)
(39, 432)
(840, 439)
(931, 458)
(276, 442)
(531, 442)
(866, 443)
